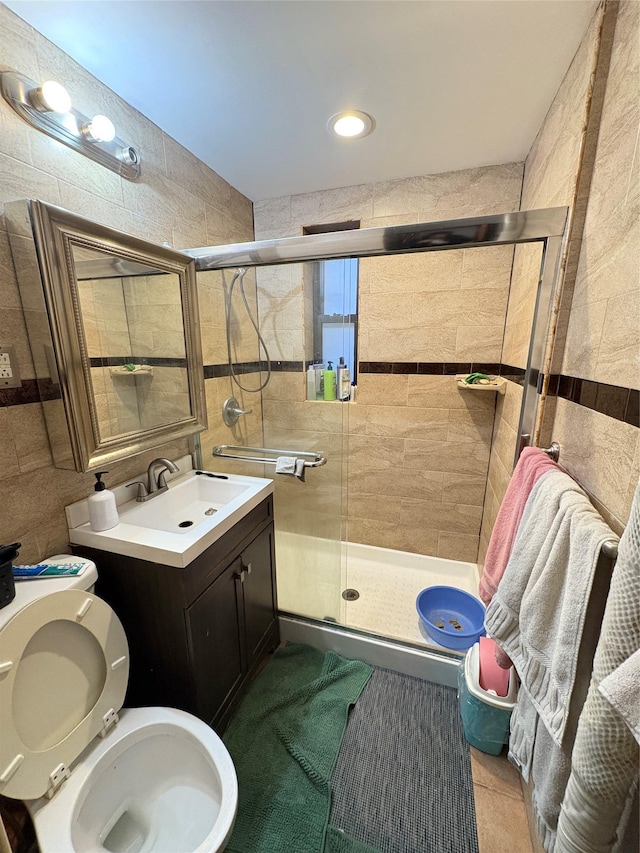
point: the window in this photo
(335, 312)
(335, 305)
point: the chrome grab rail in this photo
(317, 459)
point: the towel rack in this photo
(609, 549)
(233, 451)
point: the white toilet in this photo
(96, 778)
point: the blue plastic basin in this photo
(451, 616)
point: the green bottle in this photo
(330, 383)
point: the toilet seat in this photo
(64, 667)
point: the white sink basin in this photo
(175, 527)
(185, 505)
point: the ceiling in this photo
(249, 85)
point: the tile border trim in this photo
(615, 401)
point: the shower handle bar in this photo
(221, 450)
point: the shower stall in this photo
(398, 486)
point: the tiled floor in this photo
(500, 811)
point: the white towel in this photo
(622, 690)
(290, 465)
(537, 615)
(606, 756)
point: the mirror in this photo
(113, 329)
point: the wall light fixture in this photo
(47, 107)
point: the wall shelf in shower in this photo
(497, 384)
(134, 370)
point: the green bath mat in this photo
(284, 740)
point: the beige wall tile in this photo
(486, 267)
(599, 452)
(456, 308)
(408, 422)
(474, 425)
(457, 546)
(18, 45)
(619, 354)
(412, 273)
(401, 537)
(386, 310)
(479, 343)
(272, 218)
(420, 343)
(18, 180)
(453, 457)
(463, 489)
(453, 518)
(335, 205)
(390, 390)
(187, 171)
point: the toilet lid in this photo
(64, 666)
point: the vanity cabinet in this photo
(197, 634)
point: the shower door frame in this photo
(545, 226)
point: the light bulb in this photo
(51, 97)
(99, 129)
(351, 124)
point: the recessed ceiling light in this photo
(351, 123)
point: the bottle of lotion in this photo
(330, 382)
(103, 510)
(311, 383)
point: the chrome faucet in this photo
(156, 482)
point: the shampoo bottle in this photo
(343, 380)
(330, 383)
(311, 383)
(103, 511)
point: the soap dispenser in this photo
(330, 383)
(103, 510)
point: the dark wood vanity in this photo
(197, 634)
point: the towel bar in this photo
(244, 453)
(609, 549)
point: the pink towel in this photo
(532, 464)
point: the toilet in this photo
(96, 777)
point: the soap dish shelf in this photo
(121, 370)
(498, 384)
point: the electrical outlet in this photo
(9, 373)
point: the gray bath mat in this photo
(402, 781)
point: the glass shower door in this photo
(302, 328)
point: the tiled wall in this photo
(417, 452)
(178, 199)
(588, 137)
(603, 326)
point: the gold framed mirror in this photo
(113, 328)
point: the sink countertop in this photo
(161, 546)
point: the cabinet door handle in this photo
(248, 568)
(240, 576)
